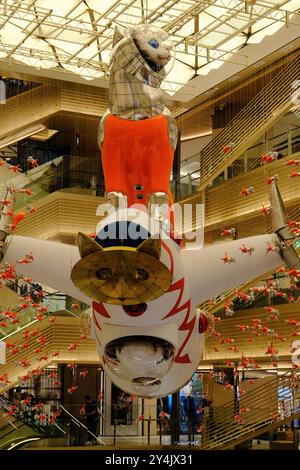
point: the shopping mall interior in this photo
(231, 86)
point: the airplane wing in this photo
(209, 275)
(51, 266)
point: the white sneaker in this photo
(88, 443)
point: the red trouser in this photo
(137, 153)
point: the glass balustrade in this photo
(281, 290)
(129, 424)
(68, 173)
(283, 138)
(53, 302)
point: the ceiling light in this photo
(234, 78)
(21, 135)
(259, 64)
(44, 135)
(195, 136)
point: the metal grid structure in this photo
(76, 36)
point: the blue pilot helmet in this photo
(122, 233)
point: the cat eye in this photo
(153, 43)
(141, 275)
(104, 274)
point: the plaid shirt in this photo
(134, 91)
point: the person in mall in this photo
(17, 396)
(91, 414)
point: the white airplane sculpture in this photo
(149, 337)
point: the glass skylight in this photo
(76, 36)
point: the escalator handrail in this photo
(19, 441)
(80, 424)
(19, 419)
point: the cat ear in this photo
(151, 246)
(87, 245)
(118, 35)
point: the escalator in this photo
(23, 425)
(26, 428)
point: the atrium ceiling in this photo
(76, 36)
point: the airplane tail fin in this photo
(290, 245)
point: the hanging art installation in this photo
(143, 286)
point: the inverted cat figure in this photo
(138, 134)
